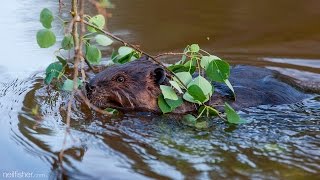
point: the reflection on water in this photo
(281, 142)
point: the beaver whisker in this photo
(119, 97)
(128, 97)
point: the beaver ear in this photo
(159, 75)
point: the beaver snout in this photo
(89, 88)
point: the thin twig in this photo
(135, 48)
(82, 31)
(87, 101)
(170, 53)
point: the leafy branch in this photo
(191, 77)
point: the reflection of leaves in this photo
(202, 124)
(189, 120)
(273, 147)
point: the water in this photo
(281, 142)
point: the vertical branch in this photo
(82, 31)
(77, 56)
(75, 20)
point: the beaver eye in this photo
(120, 79)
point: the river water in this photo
(280, 142)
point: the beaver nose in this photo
(90, 86)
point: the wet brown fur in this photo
(142, 79)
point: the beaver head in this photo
(131, 86)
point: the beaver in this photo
(136, 86)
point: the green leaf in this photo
(185, 77)
(174, 103)
(48, 79)
(227, 82)
(189, 98)
(191, 65)
(218, 70)
(67, 42)
(168, 92)
(164, 107)
(196, 92)
(184, 57)
(45, 38)
(103, 40)
(176, 86)
(62, 61)
(232, 116)
(124, 50)
(46, 18)
(124, 59)
(114, 54)
(53, 71)
(98, 21)
(124, 55)
(68, 85)
(54, 68)
(178, 68)
(93, 54)
(137, 54)
(189, 120)
(204, 84)
(194, 48)
(205, 60)
(112, 111)
(191, 62)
